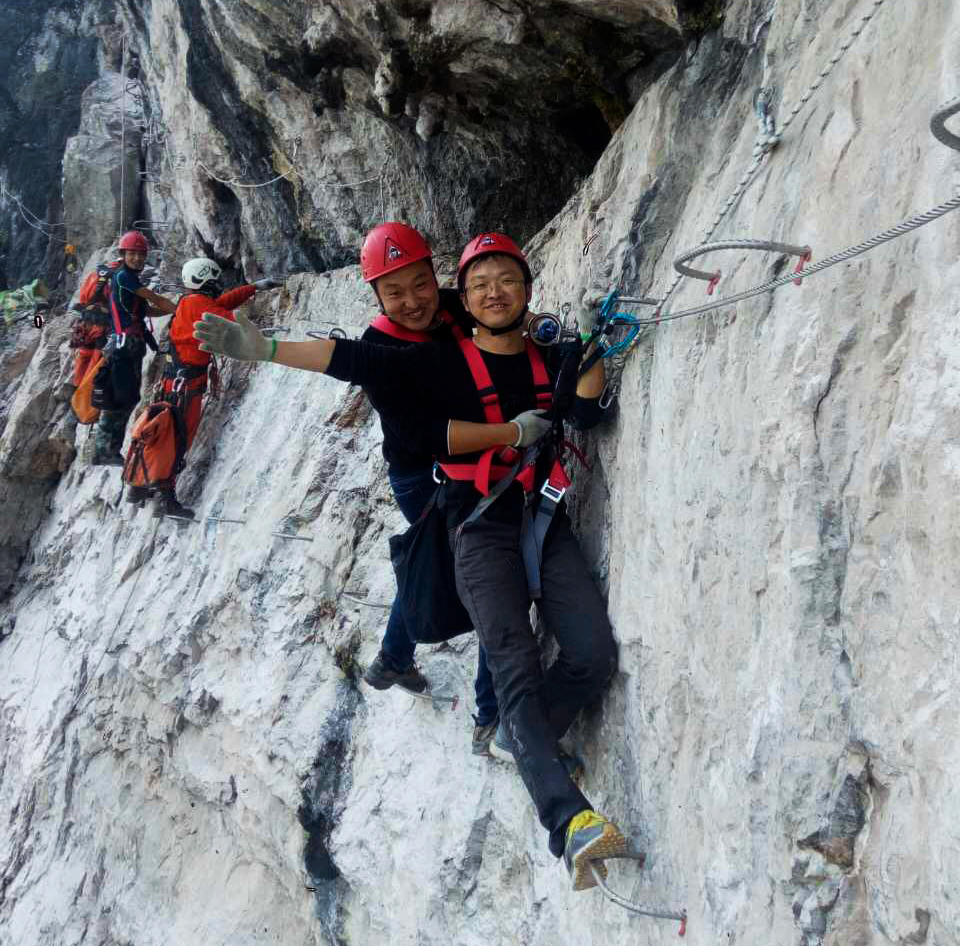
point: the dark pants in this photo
(537, 707)
(412, 492)
(126, 369)
(110, 431)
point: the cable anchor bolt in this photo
(804, 259)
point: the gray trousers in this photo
(536, 707)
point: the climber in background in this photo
(117, 390)
(187, 369)
(92, 326)
(511, 537)
(398, 264)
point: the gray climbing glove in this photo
(268, 283)
(533, 425)
(241, 339)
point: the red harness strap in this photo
(497, 462)
(383, 324)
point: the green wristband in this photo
(273, 351)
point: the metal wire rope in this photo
(768, 139)
(40, 224)
(938, 124)
(236, 183)
(768, 245)
(893, 233)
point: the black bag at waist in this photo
(426, 585)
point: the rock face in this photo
(49, 56)
(289, 129)
(102, 180)
(186, 754)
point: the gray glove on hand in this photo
(532, 425)
(241, 339)
(268, 283)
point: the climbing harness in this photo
(636, 907)
(495, 464)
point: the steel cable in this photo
(893, 233)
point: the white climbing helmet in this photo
(197, 272)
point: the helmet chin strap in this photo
(513, 326)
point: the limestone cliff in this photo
(187, 756)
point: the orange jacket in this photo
(191, 309)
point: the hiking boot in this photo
(105, 458)
(137, 494)
(381, 677)
(482, 736)
(501, 747)
(591, 838)
(167, 504)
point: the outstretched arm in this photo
(245, 342)
(161, 304)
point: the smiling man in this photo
(491, 512)
(130, 303)
(397, 262)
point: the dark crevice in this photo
(323, 791)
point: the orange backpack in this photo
(82, 400)
(158, 447)
(93, 290)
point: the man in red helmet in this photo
(398, 263)
(511, 537)
(130, 302)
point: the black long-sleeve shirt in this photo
(432, 382)
(409, 437)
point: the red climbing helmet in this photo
(390, 246)
(484, 245)
(133, 240)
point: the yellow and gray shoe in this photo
(591, 838)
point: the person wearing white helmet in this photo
(185, 375)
